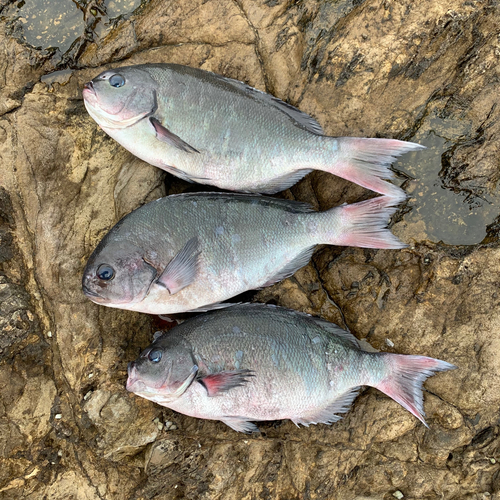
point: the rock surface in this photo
(68, 428)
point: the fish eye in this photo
(155, 355)
(105, 272)
(117, 81)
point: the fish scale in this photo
(291, 366)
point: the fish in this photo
(257, 362)
(206, 128)
(190, 252)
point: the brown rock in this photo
(68, 428)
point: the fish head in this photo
(164, 370)
(117, 274)
(119, 98)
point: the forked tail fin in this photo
(366, 162)
(362, 224)
(405, 378)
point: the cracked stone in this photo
(366, 68)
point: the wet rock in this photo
(369, 68)
(112, 410)
(16, 318)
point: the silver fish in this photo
(256, 362)
(214, 130)
(192, 251)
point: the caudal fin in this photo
(364, 224)
(366, 162)
(406, 377)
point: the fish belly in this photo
(141, 141)
(254, 402)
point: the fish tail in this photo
(366, 162)
(405, 377)
(362, 224)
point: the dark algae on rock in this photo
(411, 71)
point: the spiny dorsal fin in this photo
(331, 328)
(299, 118)
(292, 206)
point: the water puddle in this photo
(116, 8)
(50, 24)
(437, 213)
(58, 24)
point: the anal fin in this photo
(281, 183)
(240, 424)
(184, 175)
(328, 415)
(213, 307)
(294, 265)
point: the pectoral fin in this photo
(181, 270)
(223, 381)
(163, 134)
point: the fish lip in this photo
(132, 379)
(88, 90)
(94, 296)
(87, 291)
(131, 382)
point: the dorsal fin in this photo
(299, 118)
(336, 330)
(322, 323)
(288, 205)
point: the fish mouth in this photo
(94, 296)
(133, 383)
(89, 87)
(132, 379)
(89, 94)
